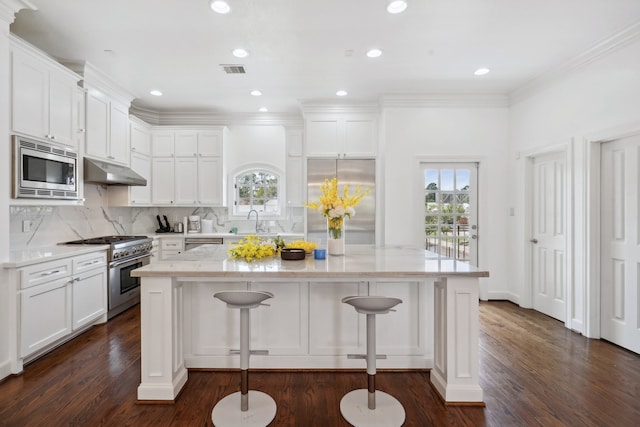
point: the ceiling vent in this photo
(233, 68)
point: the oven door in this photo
(124, 290)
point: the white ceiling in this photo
(308, 49)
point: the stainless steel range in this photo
(125, 253)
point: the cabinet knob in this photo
(81, 130)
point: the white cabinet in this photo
(107, 117)
(45, 315)
(191, 164)
(43, 96)
(342, 135)
(89, 290)
(59, 297)
(295, 168)
(107, 128)
(171, 246)
(140, 162)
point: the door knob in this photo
(534, 241)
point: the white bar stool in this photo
(234, 410)
(371, 407)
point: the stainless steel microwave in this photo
(43, 170)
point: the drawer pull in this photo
(95, 261)
(49, 273)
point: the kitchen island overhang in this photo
(177, 306)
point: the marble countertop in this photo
(360, 262)
(29, 256)
(238, 235)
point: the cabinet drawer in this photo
(44, 272)
(172, 244)
(89, 262)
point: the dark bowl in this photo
(292, 254)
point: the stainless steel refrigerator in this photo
(360, 228)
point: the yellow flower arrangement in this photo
(336, 206)
(252, 248)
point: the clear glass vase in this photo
(335, 235)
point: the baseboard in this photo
(5, 369)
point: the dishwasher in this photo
(194, 242)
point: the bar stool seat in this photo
(371, 407)
(234, 409)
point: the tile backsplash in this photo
(38, 226)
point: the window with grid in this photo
(257, 189)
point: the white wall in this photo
(601, 98)
(478, 134)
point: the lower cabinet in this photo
(45, 315)
(89, 297)
(51, 307)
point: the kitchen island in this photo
(307, 326)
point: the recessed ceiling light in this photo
(341, 93)
(256, 93)
(263, 109)
(220, 6)
(481, 71)
(396, 6)
(156, 92)
(374, 53)
(240, 53)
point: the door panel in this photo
(620, 243)
(549, 236)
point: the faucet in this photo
(249, 217)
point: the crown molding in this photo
(211, 118)
(598, 51)
(9, 8)
(94, 78)
(444, 100)
(311, 106)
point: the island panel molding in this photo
(175, 314)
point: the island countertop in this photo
(360, 262)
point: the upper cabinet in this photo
(187, 166)
(43, 96)
(341, 135)
(107, 116)
(296, 181)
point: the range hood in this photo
(99, 172)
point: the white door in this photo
(620, 243)
(548, 237)
(450, 210)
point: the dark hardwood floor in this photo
(534, 372)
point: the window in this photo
(257, 189)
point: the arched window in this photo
(257, 189)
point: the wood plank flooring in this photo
(534, 372)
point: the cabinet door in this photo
(295, 181)
(119, 133)
(186, 178)
(62, 109)
(360, 138)
(140, 139)
(97, 138)
(210, 181)
(323, 138)
(210, 144)
(141, 195)
(162, 186)
(89, 297)
(45, 315)
(162, 144)
(29, 96)
(186, 144)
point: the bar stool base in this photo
(262, 410)
(389, 411)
